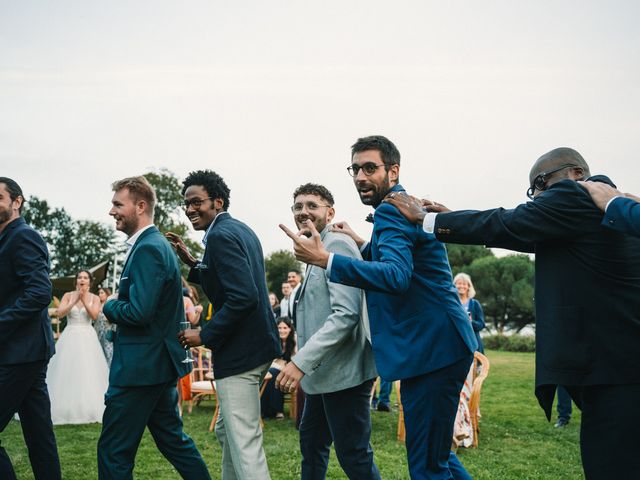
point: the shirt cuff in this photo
(329, 265)
(609, 202)
(429, 222)
(364, 246)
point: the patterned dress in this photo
(104, 331)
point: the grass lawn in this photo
(516, 442)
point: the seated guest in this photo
(272, 400)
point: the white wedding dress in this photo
(78, 375)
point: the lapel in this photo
(309, 267)
(144, 234)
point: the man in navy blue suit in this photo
(621, 210)
(241, 334)
(587, 295)
(26, 339)
(420, 333)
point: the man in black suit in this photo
(26, 339)
(241, 334)
(587, 295)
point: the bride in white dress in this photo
(78, 375)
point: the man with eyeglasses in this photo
(587, 297)
(334, 363)
(241, 333)
(419, 330)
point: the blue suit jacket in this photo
(417, 322)
(587, 284)
(623, 215)
(477, 321)
(242, 333)
(25, 294)
(148, 312)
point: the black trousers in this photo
(609, 422)
(23, 390)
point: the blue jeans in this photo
(341, 418)
(385, 391)
(564, 403)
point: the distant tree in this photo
(460, 256)
(504, 287)
(277, 265)
(169, 216)
(73, 244)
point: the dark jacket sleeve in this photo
(477, 316)
(231, 264)
(563, 211)
(623, 215)
(392, 270)
(31, 267)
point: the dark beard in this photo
(376, 199)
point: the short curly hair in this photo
(314, 189)
(212, 183)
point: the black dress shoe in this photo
(562, 422)
(383, 407)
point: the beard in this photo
(377, 195)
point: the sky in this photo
(271, 95)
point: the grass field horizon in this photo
(516, 441)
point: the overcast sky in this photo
(273, 94)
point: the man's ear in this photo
(578, 173)
(394, 173)
(218, 203)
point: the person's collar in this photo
(12, 224)
(206, 234)
(133, 238)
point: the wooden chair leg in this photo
(402, 434)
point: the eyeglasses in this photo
(368, 169)
(195, 203)
(311, 207)
(540, 181)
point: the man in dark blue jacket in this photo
(26, 339)
(587, 295)
(241, 334)
(419, 331)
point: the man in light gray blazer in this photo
(334, 363)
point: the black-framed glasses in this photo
(194, 202)
(540, 181)
(368, 169)
(311, 207)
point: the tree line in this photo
(504, 285)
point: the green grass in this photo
(516, 441)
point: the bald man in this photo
(587, 295)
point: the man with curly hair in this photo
(241, 334)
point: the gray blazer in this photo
(333, 328)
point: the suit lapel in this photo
(144, 234)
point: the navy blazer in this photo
(587, 284)
(148, 312)
(417, 322)
(476, 315)
(25, 294)
(623, 215)
(242, 333)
